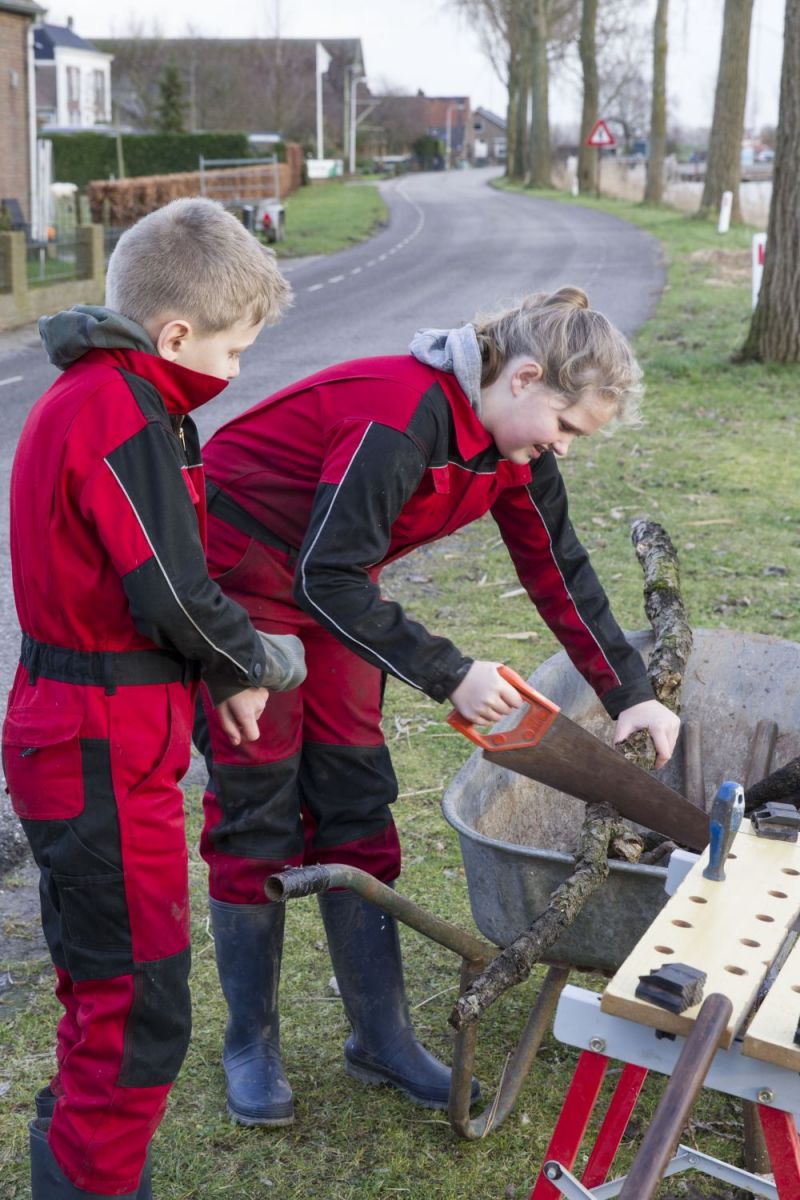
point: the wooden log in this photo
(602, 827)
(783, 784)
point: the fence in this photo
(123, 201)
(32, 286)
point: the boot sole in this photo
(376, 1078)
(269, 1122)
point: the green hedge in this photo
(81, 157)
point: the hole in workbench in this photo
(795, 987)
(764, 917)
(778, 895)
(683, 924)
(789, 871)
(698, 900)
(664, 949)
(749, 942)
(736, 970)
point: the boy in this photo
(119, 618)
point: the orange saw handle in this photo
(529, 730)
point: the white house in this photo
(73, 79)
(489, 133)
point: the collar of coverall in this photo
(91, 334)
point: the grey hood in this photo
(69, 335)
(456, 351)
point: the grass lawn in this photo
(716, 463)
(330, 215)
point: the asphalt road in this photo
(453, 247)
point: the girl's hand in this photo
(662, 725)
(484, 696)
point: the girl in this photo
(313, 491)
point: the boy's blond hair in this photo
(578, 349)
(193, 259)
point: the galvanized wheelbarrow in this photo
(741, 714)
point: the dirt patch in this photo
(728, 268)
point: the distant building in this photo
(448, 118)
(397, 122)
(251, 84)
(489, 137)
(73, 80)
(18, 126)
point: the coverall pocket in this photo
(42, 762)
(94, 911)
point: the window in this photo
(99, 91)
(74, 95)
(478, 126)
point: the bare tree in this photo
(520, 38)
(775, 328)
(724, 148)
(654, 188)
(587, 156)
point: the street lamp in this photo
(354, 82)
(456, 106)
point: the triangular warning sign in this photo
(601, 136)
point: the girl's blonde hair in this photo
(193, 259)
(578, 349)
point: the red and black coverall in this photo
(311, 493)
(118, 617)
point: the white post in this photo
(354, 82)
(725, 207)
(33, 176)
(759, 250)
(323, 62)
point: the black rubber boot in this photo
(45, 1107)
(48, 1181)
(248, 940)
(45, 1103)
(365, 948)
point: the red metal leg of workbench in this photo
(783, 1146)
(614, 1124)
(573, 1119)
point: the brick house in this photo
(17, 111)
(448, 118)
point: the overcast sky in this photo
(427, 44)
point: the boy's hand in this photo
(484, 696)
(662, 725)
(238, 715)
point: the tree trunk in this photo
(654, 189)
(725, 147)
(775, 329)
(540, 165)
(587, 155)
(521, 151)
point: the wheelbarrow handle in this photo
(529, 730)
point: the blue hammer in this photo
(724, 820)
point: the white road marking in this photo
(336, 279)
(356, 271)
(315, 287)
(11, 379)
